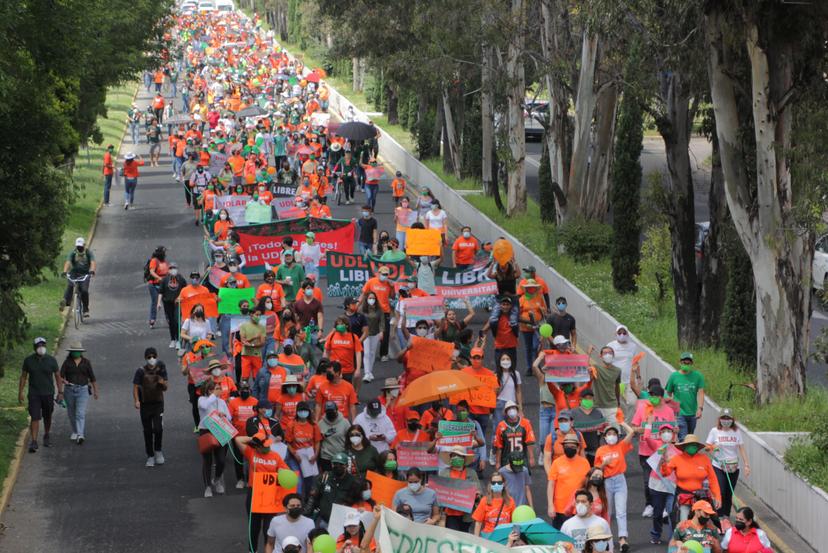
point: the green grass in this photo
(806, 459)
(41, 301)
(436, 165)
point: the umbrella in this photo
(181, 119)
(251, 111)
(312, 77)
(356, 130)
(437, 385)
(304, 150)
(537, 532)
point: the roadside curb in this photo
(17, 458)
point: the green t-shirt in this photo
(41, 371)
(248, 331)
(80, 262)
(296, 274)
(684, 388)
(604, 385)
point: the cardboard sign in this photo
(566, 368)
(230, 298)
(423, 242)
(262, 244)
(428, 355)
(484, 396)
(267, 494)
(456, 494)
(256, 213)
(415, 454)
(383, 488)
(217, 160)
(429, 308)
(455, 433)
(220, 427)
(235, 206)
(205, 299)
(215, 277)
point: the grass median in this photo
(41, 301)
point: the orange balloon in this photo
(271, 170)
(502, 251)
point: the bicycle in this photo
(77, 308)
(338, 190)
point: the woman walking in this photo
(376, 323)
(79, 383)
(208, 446)
(728, 447)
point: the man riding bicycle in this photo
(79, 263)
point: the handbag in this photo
(207, 443)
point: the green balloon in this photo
(288, 479)
(693, 546)
(524, 513)
(546, 330)
(324, 544)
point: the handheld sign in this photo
(455, 433)
(415, 454)
(428, 355)
(230, 298)
(455, 494)
(566, 368)
(220, 428)
(383, 488)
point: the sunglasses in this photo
(152, 357)
(477, 357)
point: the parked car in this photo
(819, 267)
(205, 6)
(225, 6)
(535, 115)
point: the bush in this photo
(586, 240)
(546, 195)
(656, 262)
(738, 325)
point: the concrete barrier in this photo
(803, 506)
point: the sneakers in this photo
(219, 485)
(150, 462)
(195, 429)
(648, 512)
(73, 437)
(159, 458)
(240, 485)
(152, 323)
(384, 358)
(32, 446)
(80, 439)
(492, 460)
(46, 441)
(86, 314)
(126, 206)
(368, 378)
(665, 514)
(172, 344)
(208, 492)
(655, 541)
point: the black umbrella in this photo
(252, 111)
(356, 131)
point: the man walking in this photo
(41, 372)
(148, 387)
(108, 171)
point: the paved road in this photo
(99, 496)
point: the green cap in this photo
(686, 355)
(340, 458)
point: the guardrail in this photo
(803, 506)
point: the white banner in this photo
(401, 535)
(235, 206)
(336, 523)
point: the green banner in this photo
(348, 273)
(229, 299)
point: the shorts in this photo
(250, 365)
(155, 148)
(41, 407)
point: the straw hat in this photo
(75, 346)
(445, 455)
(689, 440)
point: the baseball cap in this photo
(686, 355)
(330, 406)
(587, 392)
(703, 506)
(505, 299)
(340, 459)
(727, 413)
(349, 301)
(384, 270)
(560, 339)
(264, 404)
(565, 414)
(351, 519)
(79, 241)
(290, 540)
(529, 269)
(39, 340)
(411, 414)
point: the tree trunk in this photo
(714, 271)
(595, 201)
(391, 102)
(450, 145)
(516, 89)
(437, 132)
(584, 111)
(487, 121)
(780, 250)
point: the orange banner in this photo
(428, 355)
(206, 299)
(383, 488)
(423, 242)
(484, 396)
(267, 493)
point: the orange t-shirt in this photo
(241, 280)
(534, 306)
(237, 164)
(494, 513)
(342, 394)
(274, 388)
(382, 290)
(227, 386)
(269, 462)
(465, 249)
(289, 403)
(131, 168)
(398, 187)
(221, 228)
(616, 454)
(505, 338)
(273, 291)
(406, 435)
(557, 449)
(302, 434)
(108, 165)
(241, 410)
(343, 348)
(568, 475)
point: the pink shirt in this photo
(664, 413)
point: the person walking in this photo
(130, 172)
(169, 290)
(148, 387)
(157, 269)
(79, 383)
(370, 343)
(727, 444)
(108, 172)
(687, 387)
(40, 370)
(458, 461)
(612, 459)
(209, 401)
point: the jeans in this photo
(77, 397)
(727, 483)
(483, 420)
(546, 426)
(129, 190)
(616, 487)
(174, 86)
(178, 162)
(364, 248)
(311, 269)
(646, 469)
(687, 425)
(270, 345)
(224, 327)
(530, 341)
(401, 239)
(152, 419)
(153, 292)
(134, 132)
(369, 356)
(171, 313)
(107, 187)
(497, 416)
(661, 502)
(371, 191)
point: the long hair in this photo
(499, 371)
(602, 490)
(365, 441)
(504, 494)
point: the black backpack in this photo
(147, 275)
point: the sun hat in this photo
(129, 156)
(445, 455)
(597, 532)
(391, 384)
(75, 346)
(690, 439)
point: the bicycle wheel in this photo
(78, 308)
(338, 193)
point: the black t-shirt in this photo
(357, 321)
(138, 379)
(366, 230)
(41, 371)
(562, 324)
(307, 311)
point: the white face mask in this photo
(602, 545)
(394, 393)
(173, 272)
(414, 486)
(422, 332)
(223, 216)
(356, 440)
(506, 363)
(726, 423)
(512, 413)
(371, 301)
(581, 509)
(366, 494)
(41, 350)
(666, 436)
(152, 361)
(216, 372)
(608, 358)
(611, 439)
(466, 234)
(233, 268)
(622, 338)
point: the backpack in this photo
(147, 275)
(151, 390)
(83, 257)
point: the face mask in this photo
(206, 351)
(424, 259)
(366, 214)
(607, 358)
(565, 426)
(80, 248)
(393, 393)
(201, 169)
(339, 470)
(233, 268)
(173, 272)
(685, 368)
(726, 423)
(303, 414)
(422, 332)
(341, 328)
(622, 338)
(457, 462)
(581, 509)
(223, 216)
(414, 487)
(561, 307)
(570, 451)
(371, 301)
(244, 394)
(272, 362)
(462, 415)
(330, 376)
(667, 437)
(366, 495)
(587, 403)
(216, 372)
(383, 278)
(76, 354)
(41, 351)
(308, 292)
(506, 363)
(269, 306)
(413, 426)
(512, 413)
(602, 545)
(356, 440)
(691, 449)
(268, 413)
(611, 439)
(739, 525)
(331, 415)
(390, 465)
(152, 361)
(516, 467)
(195, 281)
(198, 313)
(596, 480)
(567, 388)
(466, 234)
(295, 512)
(497, 487)
(655, 400)
(703, 520)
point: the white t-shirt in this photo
(624, 354)
(576, 528)
(280, 528)
(311, 254)
(507, 387)
(728, 442)
(437, 221)
(196, 330)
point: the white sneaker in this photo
(219, 485)
(208, 492)
(159, 458)
(240, 485)
(150, 462)
(648, 512)
(126, 205)
(492, 459)
(172, 344)
(73, 437)
(368, 378)
(665, 514)
(384, 358)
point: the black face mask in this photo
(245, 310)
(596, 481)
(244, 394)
(570, 451)
(330, 415)
(295, 512)
(291, 549)
(413, 426)
(704, 520)
(338, 470)
(740, 525)
(330, 377)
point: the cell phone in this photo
(479, 333)
(516, 529)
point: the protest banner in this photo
(484, 396)
(267, 494)
(383, 488)
(336, 522)
(423, 242)
(220, 427)
(205, 299)
(566, 368)
(262, 244)
(415, 454)
(256, 213)
(230, 298)
(455, 285)
(428, 355)
(217, 160)
(348, 273)
(235, 206)
(398, 534)
(455, 433)
(456, 494)
(669, 482)
(200, 370)
(284, 191)
(215, 276)
(320, 119)
(427, 308)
